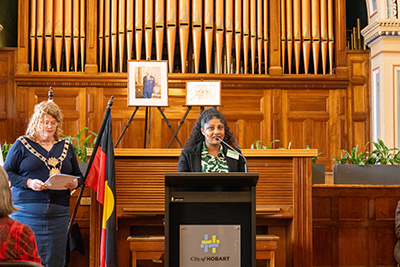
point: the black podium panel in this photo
(210, 199)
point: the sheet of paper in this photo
(59, 180)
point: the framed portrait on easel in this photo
(147, 83)
(203, 93)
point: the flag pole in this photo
(103, 125)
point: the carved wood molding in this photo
(381, 28)
(178, 81)
(71, 80)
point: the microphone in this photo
(240, 154)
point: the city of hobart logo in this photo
(210, 244)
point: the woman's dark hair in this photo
(196, 136)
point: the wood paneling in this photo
(283, 197)
(314, 110)
(7, 95)
(256, 108)
(353, 225)
(358, 100)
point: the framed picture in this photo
(373, 8)
(147, 83)
(203, 93)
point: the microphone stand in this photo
(225, 143)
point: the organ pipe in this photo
(75, 32)
(121, 32)
(129, 28)
(208, 31)
(234, 30)
(306, 33)
(183, 31)
(228, 33)
(253, 34)
(197, 28)
(315, 32)
(159, 27)
(238, 33)
(138, 28)
(32, 32)
(171, 32)
(246, 34)
(219, 32)
(289, 33)
(48, 32)
(148, 27)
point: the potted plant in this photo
(378, 167)
(4, 150)
(81, 145)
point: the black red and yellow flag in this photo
(101, 178)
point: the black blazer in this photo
(190, 160)
(397, 231)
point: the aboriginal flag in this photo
(101, 178)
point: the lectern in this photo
(210, 219)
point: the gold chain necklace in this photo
(50, 163)
(45, 143)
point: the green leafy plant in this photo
(381, 155)
(352, 157)
(289, 146)
(396, 158)
(4, 149)
(261, 145)
(82, 145)
(313, 159)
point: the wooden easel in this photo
(146, 126)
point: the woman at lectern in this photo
(207, 148)
(31, 160)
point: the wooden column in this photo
(275, 39)
(302, 222)
(23, 37)
(340, 58)
(8, 100)
(91, 37)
